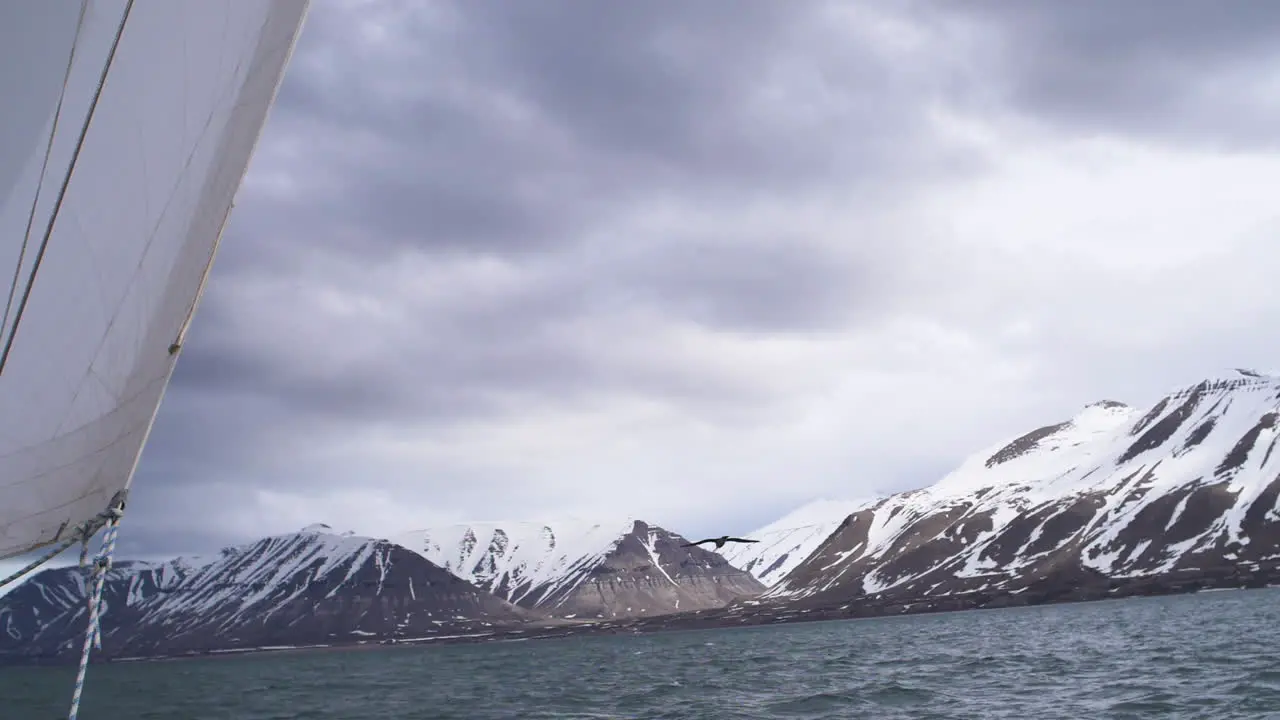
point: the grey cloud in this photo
(635, 104)
(780, 286)
(1185, 69)
(152, 528)
(533, 133)
(649, 83)
(543, 345)
(514, 127)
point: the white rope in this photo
(83, 532)
(98, 578)
(42, 560)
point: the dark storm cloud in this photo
(1191, 70)
(623, 104)
(514, 127)
(655, 86)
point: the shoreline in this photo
(733, 616)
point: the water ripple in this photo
(1181, 657)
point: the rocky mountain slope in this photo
(1180, 494)
(1115, 501)
(585, 570)
(312, 587)
(788, 541)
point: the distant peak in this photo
(1106, 405)
(821, 512)
(1098, 415)
(1255, 374)
(1228, 381)
(1094, 419)
(323, 529)
(1239, 374)
(566, 521)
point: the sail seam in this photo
(142, 259)
(66, 181)
(44, 167)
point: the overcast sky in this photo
(703, 262)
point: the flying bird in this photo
(720, 541)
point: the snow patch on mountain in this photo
(1191, 481)
(523, 562)
(325, 529)
(251, 576)
(313, 586)
(1047, 451)
(786, 542)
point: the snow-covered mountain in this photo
(583, 569)
(787, 542)
(1113, 501)
(523, 561)
(306, 588)
(1180, 494)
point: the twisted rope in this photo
(82, 533)
(98, 578)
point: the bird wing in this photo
(694, 544)
(740, 540)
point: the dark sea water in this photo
(1212, 655)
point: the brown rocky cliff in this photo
(648, 573)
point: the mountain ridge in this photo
(600, 570)
(1106, 492)
(1115, 501)
(299, 588)
(786, 542)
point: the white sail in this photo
(105, 272)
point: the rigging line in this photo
(176, 344)
(66, 181)
(222, 227)
(44, 166)
(40, 560)
(81, 535)
(98, 579)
